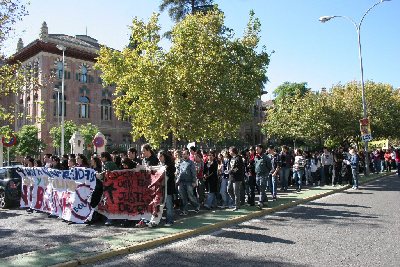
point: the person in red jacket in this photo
(398, 161)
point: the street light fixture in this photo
(324, 19)
(62, 48)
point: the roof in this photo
(81, 47)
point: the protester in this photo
(327, 163)
(166, 160)
(212, 178)
(108, 165)
(262, 170)
(354, 161)
(38, 163)
(133, 155)
(82, 161)
(275, 168)
(95, 163)
(127, 163)
(149, 159)
(187, 181)
(298, 168)
(251, 183)
(236, 176)
(71, 163)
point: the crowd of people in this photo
(230, 178)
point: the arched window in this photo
(105, 110)
(84, 107)
(84, 73)
(57, 111)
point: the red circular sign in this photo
(11, 142)
(98, 141)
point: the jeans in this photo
(297, 175)
(328, 174)
(354, 171)
(262, 182)
(234, 189)
(284, 174)
(169, 203)
(251, 190)
(211, 200)
(273, 185)
(186, 192)
(377, 166)
(226, 199)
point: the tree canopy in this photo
(334, 116)
(202, 88)
(179, 9)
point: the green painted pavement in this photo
(103, 247)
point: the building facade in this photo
(86, 100)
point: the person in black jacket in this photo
(211, 177)
(236, 176)
(149, 159)
(166, 160)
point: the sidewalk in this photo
(95, 249)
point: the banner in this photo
(65, 194)
(134, 194)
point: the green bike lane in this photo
(99, 248)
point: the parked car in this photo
(12, 163)
(10, 186)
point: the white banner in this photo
(65, 194)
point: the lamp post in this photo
(364, 103)
(62, 48)
(58, 106)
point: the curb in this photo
(181, 235)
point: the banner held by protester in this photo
(65, 194)
(134, 194)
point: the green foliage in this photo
(55, 133)
(179, 9)
(200, 89)
(88, 132)
(289, 90)
(28, 142)
(334, 116)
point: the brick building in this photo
(86, 99)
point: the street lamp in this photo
(58, 106)
(62, 48)
(364, 103)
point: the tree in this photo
(179, 9)
(288, 90)
(88, 132)
(202, 88)
(28, 142)
(69, 129)
(333, 117)
(11, 11)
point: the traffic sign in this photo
(98, 142)
(12, 141)
(366, 137)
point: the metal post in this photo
(364, 102)
(60, 47)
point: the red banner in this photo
(133, 194)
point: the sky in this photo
(302, 49)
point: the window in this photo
(59, 69)
(105, 110)
(57, 111)
(84, 107)
(84, 70)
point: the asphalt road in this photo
(353, 228)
